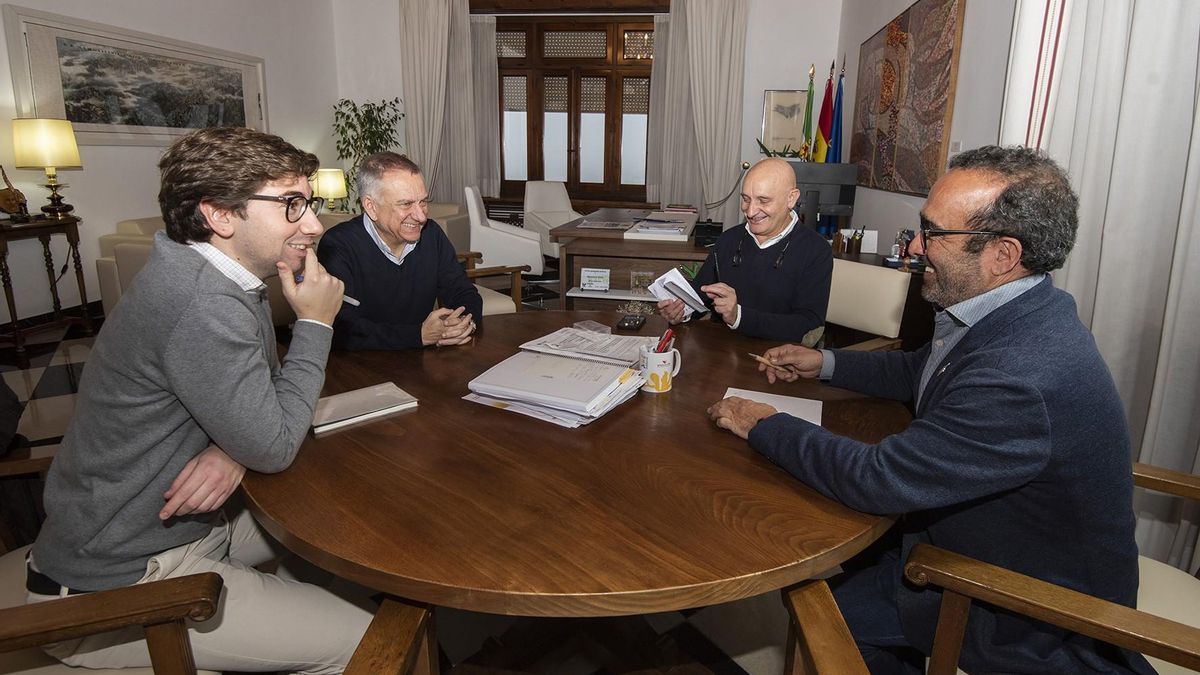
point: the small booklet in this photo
(352, 407)
(672, 286)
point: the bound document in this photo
(352, 407)
(581, 387)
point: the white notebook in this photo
(351, 407)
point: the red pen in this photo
(665, 341)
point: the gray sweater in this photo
(186, 359)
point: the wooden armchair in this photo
(161, 607)
(399, 641)
(494, 302)
(1164, 627)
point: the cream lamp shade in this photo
(330, 184)
(47, 144)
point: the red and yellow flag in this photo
(825, 121)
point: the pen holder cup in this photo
(659, 369)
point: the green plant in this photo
(787, 151)
(364, 129)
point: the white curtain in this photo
(485, 78)
(1109, 89)
(658, 97)
(681, 180)
(716, 52)
(424, 44)
(457, 158)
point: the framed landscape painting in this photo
(120, 87)
(904, 98)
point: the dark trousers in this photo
(866, 596)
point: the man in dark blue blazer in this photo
(1019, 453)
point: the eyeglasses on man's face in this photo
(928, 232)
(295, 205)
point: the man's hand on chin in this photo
(739, 415)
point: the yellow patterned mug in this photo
(659, 368)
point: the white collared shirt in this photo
(383, 247)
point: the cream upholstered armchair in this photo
(870, 299)
(1165, 627)
(546, 207)
(501, 244)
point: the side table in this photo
(42, 228)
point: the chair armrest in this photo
(393, 641)
(514, 271)
(1096, 618)
(1165, 480)
(514, 231)
(469, 258)
(879, 344)
(818, 635)
(190, 597)
(477, 272)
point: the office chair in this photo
(546, 207)
(501, 245)
(869, 299)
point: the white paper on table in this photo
(804, 408)
(659, 289)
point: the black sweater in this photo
(393, 300)
(779, 302)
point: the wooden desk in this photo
(43, 229)
(582, 247)
(650, 508)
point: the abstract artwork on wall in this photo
(119, 87)
(905, 98)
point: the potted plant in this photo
(364, 129)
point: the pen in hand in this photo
(787, 368)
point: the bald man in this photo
(769, 278)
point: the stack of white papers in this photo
(569, 377)
(672, 286)
(663, 226)
(352, 407)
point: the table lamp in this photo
(47, 144)
(330, 184)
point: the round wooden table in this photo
(650, 508)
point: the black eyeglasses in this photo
(928, 233)
(295, 205)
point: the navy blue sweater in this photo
(783, 294)
(393, 300)
(1019, 456)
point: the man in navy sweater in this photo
(770, 278)
(1019, 454)
(394, 267)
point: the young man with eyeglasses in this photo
(395, 265)
(1019, 452)
(183, 390)
(770, 278)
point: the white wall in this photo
(977, 102)
(295, 39)
(784, 37)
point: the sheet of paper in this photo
(616, 349)
(804, 408)
(659, 289)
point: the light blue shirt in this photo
(951, 324)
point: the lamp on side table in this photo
(49, 144)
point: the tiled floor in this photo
(745, 637)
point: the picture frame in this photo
(783, 119)
(122, 87)
(904, 99)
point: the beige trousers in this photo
(264, 623)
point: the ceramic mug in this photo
(659, 368)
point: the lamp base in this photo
(56, 208)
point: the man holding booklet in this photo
(183, 389)
(769, 279)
